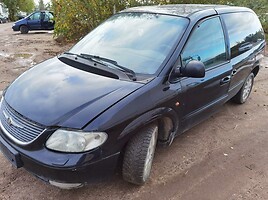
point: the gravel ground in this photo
(223, 158)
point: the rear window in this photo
(244, 30)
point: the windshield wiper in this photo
(82, 56)
(126, 70)
(131, 74)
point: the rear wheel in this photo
(243, 94)
(139, 155)
(24, 29)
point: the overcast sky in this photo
(37, 1)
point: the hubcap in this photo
(247, 88)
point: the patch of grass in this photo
(23, 55)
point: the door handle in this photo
(234, 72)
(225, 80)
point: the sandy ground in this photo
(225, 157)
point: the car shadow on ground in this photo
(35, 33)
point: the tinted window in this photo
(139, 41)
(244, 30)
(35, 16)
(206, 44)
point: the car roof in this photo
(187, 10)
(42, 11)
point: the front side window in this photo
(138, 41)
(35, 16)
(206, 44)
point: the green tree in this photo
(74, 19)
(14, 6)
(26, 5)
(260, 7)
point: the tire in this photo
(243, 94)
(139, 155)
(24, 29)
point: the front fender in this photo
(150, 116)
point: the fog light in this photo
(66, 186)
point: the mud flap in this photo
(169, 141)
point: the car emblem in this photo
(11, 122)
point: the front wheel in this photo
(24, 29)
(139, 155)
(243, 94)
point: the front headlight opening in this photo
(75, 141)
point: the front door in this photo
(202, 96)
(34, 21)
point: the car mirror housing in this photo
(194, 69)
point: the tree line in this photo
(76, 18)
(27, 6)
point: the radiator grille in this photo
(17, 127)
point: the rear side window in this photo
(244, 30)
(206, 44)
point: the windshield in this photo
(138, 41)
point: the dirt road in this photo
(224, 158)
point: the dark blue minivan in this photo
(39, 20)
(144, 76)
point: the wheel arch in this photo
(255, 70)
(23, 25)
(166, 119)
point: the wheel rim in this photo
(150, 154)
(247, 88)
(23, 29)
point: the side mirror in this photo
(194, 69)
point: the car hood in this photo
(55, 94)
(19, 21)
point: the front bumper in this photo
(60, 167)
(15, 28)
